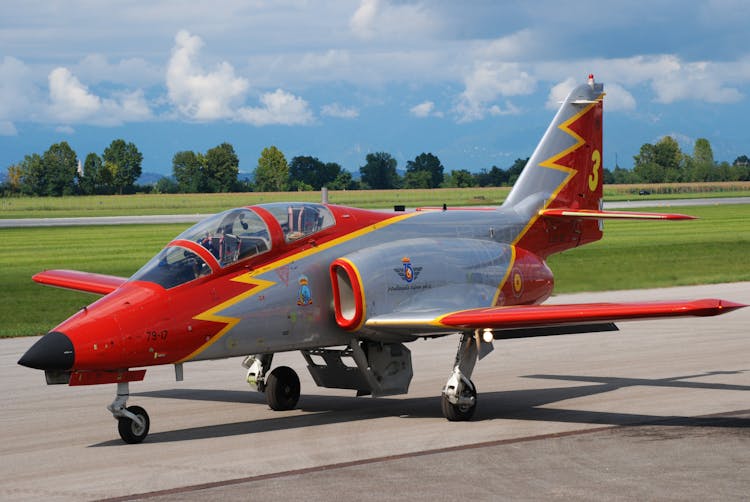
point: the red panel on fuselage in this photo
(144, 324)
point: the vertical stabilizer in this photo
(565, 171)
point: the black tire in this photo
(282, 389)
(456, 413)
(130, 431)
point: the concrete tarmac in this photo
(664, 206)
(659, 410)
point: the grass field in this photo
(140, 204)
(633, 254)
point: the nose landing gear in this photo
(132, 422)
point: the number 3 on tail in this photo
(596, 157)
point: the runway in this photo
(193, 218)
(659, 410)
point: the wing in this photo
(80, 281)
(536, 320)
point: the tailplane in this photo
(564, 172)
(559, 192)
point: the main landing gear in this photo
(133, 421)
(459, 399)
(281, 386)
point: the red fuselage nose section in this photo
(112, 332)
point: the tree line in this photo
(58, 171)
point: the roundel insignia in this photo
(408, 272)
(517, 279)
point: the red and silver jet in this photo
(337, 282)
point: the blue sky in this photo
(474, 82)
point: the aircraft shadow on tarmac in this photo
(525, 404)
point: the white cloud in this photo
(513, 47)
(197, 94)
(698, 81)
(279, 107)
(96, 68)
(363, 19)
(18, 93)
(618, 98)
(219, 94)
(339, 111)
(486, 83)
(559, 92)
(386, 21)
(425, 109)
(71, 102)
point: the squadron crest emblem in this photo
(408, 272)
(304, 296)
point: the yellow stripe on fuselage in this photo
(262, 284)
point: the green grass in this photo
(28, 308)
(141, 204)
(633, 254)
(640, 254)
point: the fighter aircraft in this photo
(341, 285)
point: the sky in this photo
(475, 83)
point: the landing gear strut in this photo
(459, 399)
(133, 421)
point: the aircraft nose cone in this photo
(54, 351)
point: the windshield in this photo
(173, 266)
(231, 236)
(300, 219)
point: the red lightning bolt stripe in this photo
(212, 315)
(552, 162)
(261, 284)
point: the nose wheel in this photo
(132, 422)
(134, 430)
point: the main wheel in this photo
(282, 389)
(459, 412)
(130, 431)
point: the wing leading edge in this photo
(87, 282)
(533, 317)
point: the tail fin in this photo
(565, 171)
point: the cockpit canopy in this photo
(299, 220)
(230, 236)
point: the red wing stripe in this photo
(80, 281)
(550, 315)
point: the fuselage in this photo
(278, 295)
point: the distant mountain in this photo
(149, 178)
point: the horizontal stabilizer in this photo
(88, 282)
(593, 214)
